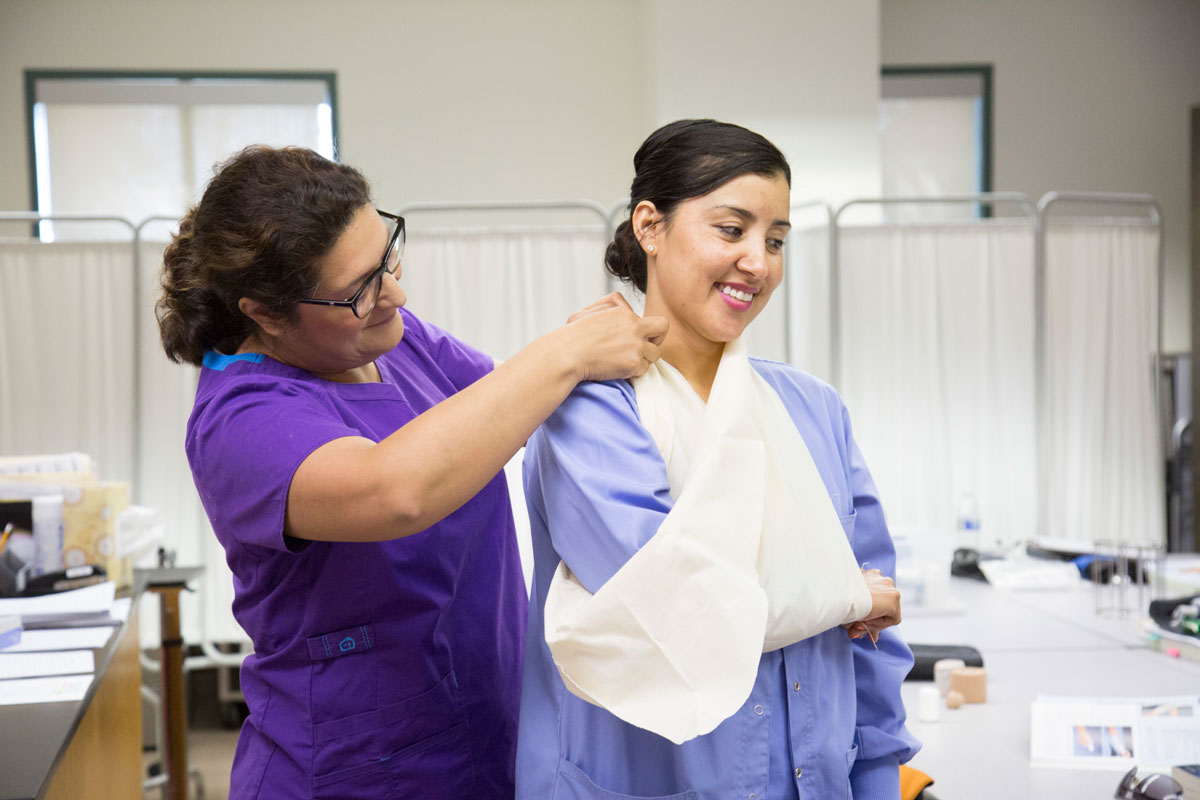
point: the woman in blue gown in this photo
(819, 714)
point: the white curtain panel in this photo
(1104, 466)
(500, 289)
(806, 282)
(165, 483)
(937, 368)
(66, 360)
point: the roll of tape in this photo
(971, 681)
(941, 673)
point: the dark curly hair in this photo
(265, 220)
(682, 160)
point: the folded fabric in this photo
(752, 557)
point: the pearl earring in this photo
(650, 248)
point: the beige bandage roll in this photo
(971, 682)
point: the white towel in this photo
(752, 557)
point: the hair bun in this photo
(624, 257)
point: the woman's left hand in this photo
(885, 607)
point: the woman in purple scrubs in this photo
(348, 455)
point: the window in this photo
(136, 145)
(935, 125)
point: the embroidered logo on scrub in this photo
(341, 643)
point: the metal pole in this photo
(535, 205)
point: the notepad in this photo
(91, 603)
(62, 639)
(36, 665)
(67, 688)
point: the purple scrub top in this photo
(380, 670)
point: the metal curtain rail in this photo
(535, 205)
(1044, 206)
(136, 410)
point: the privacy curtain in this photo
(1105, 471)
(66, 351)
(937, 366)
(937, 369)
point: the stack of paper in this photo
(89, 606)
(10, 630)
(55, 662)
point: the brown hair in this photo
(681, 160)
(265, 220)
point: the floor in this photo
(211, 738)
(210, 753)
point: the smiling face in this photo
(715, 262)
(330, 341)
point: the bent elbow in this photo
(406, 513)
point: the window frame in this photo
(985, 73)
(32, 76)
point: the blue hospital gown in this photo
(824, 719)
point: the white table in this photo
(1046, 642)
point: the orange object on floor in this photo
(912, 782)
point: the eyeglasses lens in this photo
(395, 253)
(369, 296)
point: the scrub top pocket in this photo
(574, 784)
(419, 747)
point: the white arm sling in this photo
(751, 558)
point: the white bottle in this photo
(47, 533)
(969, 534)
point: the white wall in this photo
(1090, 95)
(470, 99)
(480, 100)
(804, 73)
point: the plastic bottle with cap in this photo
(969, 533)
(47, 513)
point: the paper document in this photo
(36, 665)
(1115, 732)
(44, 690)
(120, 608)
(61, 639)
(94, 600)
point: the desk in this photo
(1046, 642)
(91, 748)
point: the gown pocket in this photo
(573, 783)
(419, 747)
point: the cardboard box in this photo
(89, 527)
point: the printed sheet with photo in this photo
(1114, 732)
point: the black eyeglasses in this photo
(363, 301)
(1155, 786)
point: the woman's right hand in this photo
(609, 341)
(885, 606)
